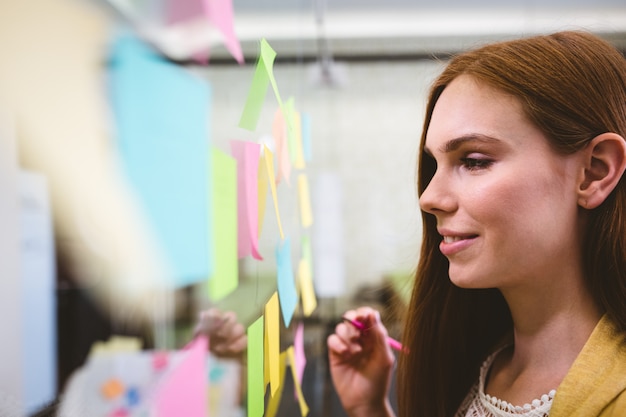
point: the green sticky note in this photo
(224, 225)
(263, 76)
(256, 386)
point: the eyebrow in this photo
(454, 144)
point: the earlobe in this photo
(605, 162)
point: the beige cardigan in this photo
(596, 383)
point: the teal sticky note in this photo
(287, 293)
(161, 115)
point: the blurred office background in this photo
(359, 69)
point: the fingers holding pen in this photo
(346, 340)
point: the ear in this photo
(605, 162)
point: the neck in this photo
(551, 328)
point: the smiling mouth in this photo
(452, 239)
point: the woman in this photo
(520, 291)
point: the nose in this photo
(438, 197)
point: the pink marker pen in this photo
(393, 343)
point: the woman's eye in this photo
(476, 163)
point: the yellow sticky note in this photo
(274, 402)
(272, 333)
(304, 198)
(269, 166)
(262, 183)
(256, 389)
(304, 408)
(309, 300)
(224, 225)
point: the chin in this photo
(469, 282)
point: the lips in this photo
(453, 243)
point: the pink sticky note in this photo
(298, 345)
(159, 360)
(220, 13)
(183, 10)
(247, 156)
(184, 391)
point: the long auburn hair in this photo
(572, 85)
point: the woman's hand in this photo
(227, 337)
(361, 362)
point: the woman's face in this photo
(505, 202)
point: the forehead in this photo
(467, 107)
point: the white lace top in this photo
(479, 404)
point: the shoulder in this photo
(616, 408)
(596, 382)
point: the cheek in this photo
(528, 210)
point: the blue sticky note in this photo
(287, 294)
(161, 113)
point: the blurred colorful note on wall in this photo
(224, 225)
(263, 76)
(184, 391)
(247, 155)
(272, 344)
(256, 386)
(286, 285)
(161, 114)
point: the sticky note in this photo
(269, 166)
(184, 390)
(218, 13)
(286, 285)
(274, 403)
(161, 114)
(247, 155)
(272, 335)
(304, 200)
(224, 225)
(307, 291)
(263, 186)
(279, 133)
(256, 387)
(304, 408)
(263, 76)
(300, 357)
